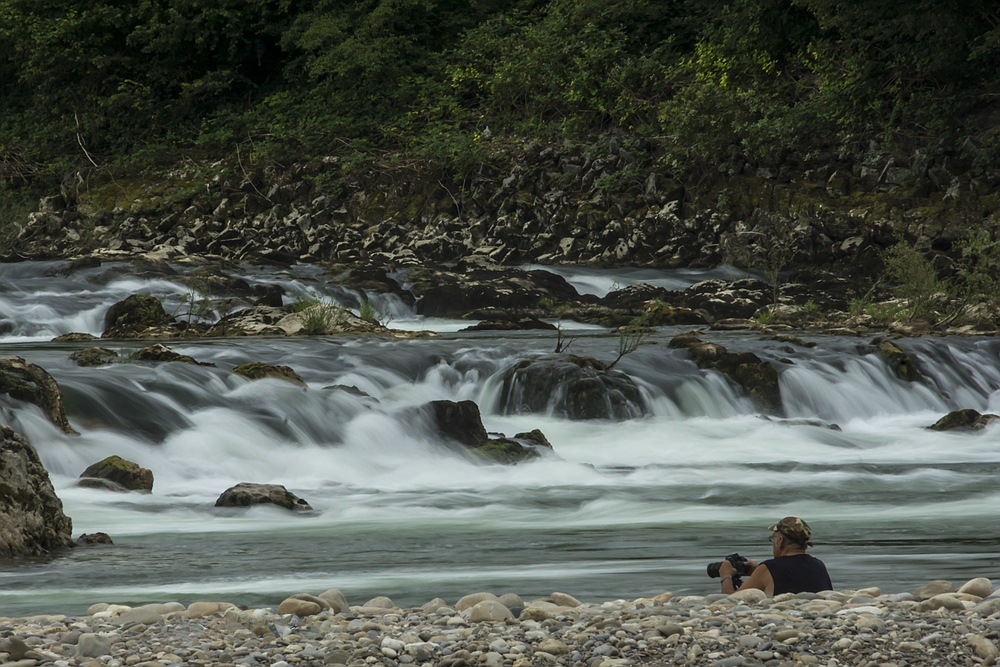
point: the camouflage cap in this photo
(794, 529)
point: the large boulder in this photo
(726, 299)
(964, 420)
(454, 293)
(758, 378)
(133, 316)
(246, 494)
(572, 386)
(117, 474)
(31, 515)
(31, 383)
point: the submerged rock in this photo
(32, 521)
(899, 361)
(576, 387)
(94, 356)
(257, 370)
(964, 420)
(756, 377)
(161, 352)
(117, 474)
(94, 539)
(31, 383)
(246, 494)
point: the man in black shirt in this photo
(791, 570)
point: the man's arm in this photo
(760, 578)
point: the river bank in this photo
(935, 624)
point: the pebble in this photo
(937, 624)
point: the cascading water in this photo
(619, 508)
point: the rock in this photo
(162, 353)
(254, 321)
(31, 383)
(299, 607)
(980, 587)
(574, 387)
(728, 299)
(256, 371)
(964, 420)
(245, 494)
(489, 611)
(380, 602)
(200, 609)
(750, 595)
(756, 377)
(93, 539)
(143, 615)
(471, 600)
(899, 361)
(564, 600)
(936, 587)
(335, 599)
(134, 315)
(511, 323)
(93, 356)
(461, 423)
(95, 645)
(124, 475)
(32, 522)
(984, 647)
(454, 294)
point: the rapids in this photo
(618, 510)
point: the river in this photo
(618, 510)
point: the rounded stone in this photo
(299, 607)
(981, 587)
(471, 600)
(489, 610)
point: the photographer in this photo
(791, 570)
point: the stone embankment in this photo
(934, 625)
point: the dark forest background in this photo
(134, 84)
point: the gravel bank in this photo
(933, 625)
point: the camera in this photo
(739, 564)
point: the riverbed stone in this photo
(335, 599)
(246, 494)
(930, 589)
(299, 607)
(122, 474)
(29, 382)
(980, 586)
(488, 611)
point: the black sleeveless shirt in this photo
(800, 573)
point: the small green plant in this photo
(369, 312)
(630, 337)
(320, 318)
(199, 306)
(812, 309)
(764, 316)
(915, 279)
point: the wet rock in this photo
(728, 299)
(31, 515)
(964, 420)
(257, 370)
(31, 383)
(246, 494)
(123, 475)
(94, 539)
(576, 387)
(452, 294)
(74, 337)
(253, 321)
(756, 377)
(461, 422)
(133, 316)
(511, 323)
(162, 353)
(94, 356)
(899, 361)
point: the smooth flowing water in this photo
(618, 510)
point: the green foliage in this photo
(631, 336)
(914, 277)
(369, 312)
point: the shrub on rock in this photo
(117, 474)
(246, 494)
(32, 522)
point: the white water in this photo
(619, 509)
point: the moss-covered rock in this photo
(32, 522)
(257, 370)
(117, 474)
(133, 316)
(901, 363)
(756, 377)
(162, 353)
(575, 387)
(246, 494)
(964, 420)
(31, 383)
(94, 356)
